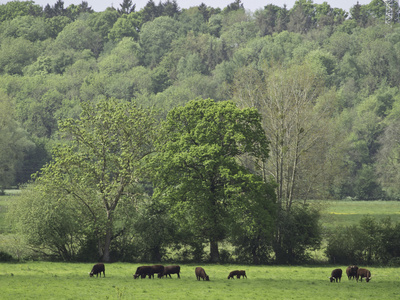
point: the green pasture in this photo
(44, 280)
(347, 213)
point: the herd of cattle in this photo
(352, 272)
(161, 271)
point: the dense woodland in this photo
(325, 83)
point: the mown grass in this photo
(44, 280)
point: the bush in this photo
(5, 257)
(299, 231)
(345, 246)
(369, 242)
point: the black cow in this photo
(144, 271)
(97, 269)
(237, 273)
(200, 273)
(336, 275)
(363, 273)
(168, 270)
(351, 272)
(158, 269)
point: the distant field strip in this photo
(348, 213)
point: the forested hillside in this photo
(324, 81)
(54, 58)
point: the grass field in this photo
(347, 213)
(44, 280)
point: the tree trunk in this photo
(214, 252)
(107, 242)
(106, 252)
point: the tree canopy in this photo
(100, 163)
(197, 169)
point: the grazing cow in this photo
(158, 269)
(363, 273)
(144, 271)
(351, 272)
(336, 275)
(98, 268)
(237, 273)
(168, 270)
(200, 273)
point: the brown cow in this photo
(144, 271)
(363, 273)
(336, 275)
(200, 273)
(168, 270)
(237, 273)
(98, 268)
(351, 272)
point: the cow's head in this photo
(135, 276)
(331, 279)
(367, 279)
(91, 274)
(207, 278)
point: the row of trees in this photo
(94, 190)
(368, 242)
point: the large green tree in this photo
(198, 170)
(102, 158)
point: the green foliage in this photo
(15, 54)
(92, 171)
(5, 257)
(79, 36)
(53, 59)
(14, 143)
(156, 38)
(103, 22)
(28, 27)
(56, 24)
(50, 221)
(196, 170)
(298, 231)
(125, 26)
(252, 225)
(122, 58)
(368, 242)
(14, 9)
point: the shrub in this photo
(5, 257)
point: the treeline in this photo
(324, 82)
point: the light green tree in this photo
(126, 26)
(156, 38)
(102, 158)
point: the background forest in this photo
(325, 83)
